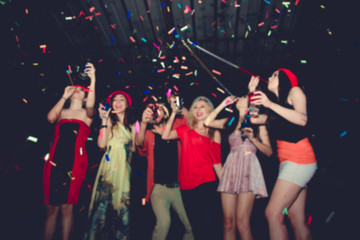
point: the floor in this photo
(332, 208)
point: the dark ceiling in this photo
(136, 45)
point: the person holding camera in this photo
(66, 167)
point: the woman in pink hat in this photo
(287, 120)
(110, 199)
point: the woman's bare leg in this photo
(283, 196)
(228, 202)
(296, 215)
(244, 207)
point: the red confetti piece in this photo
(216, 72)
(94, 166)
(81, 13)
(132, 39)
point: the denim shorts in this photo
(299, 174)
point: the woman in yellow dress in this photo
(110, 200)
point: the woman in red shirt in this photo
(200, 168)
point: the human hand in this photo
(229, 100)
(90, 70)
(249, 132)
(103, 113)
(253, 83)
(69, 90)
(260, 98)
(147, 115)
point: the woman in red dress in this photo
(65, 169)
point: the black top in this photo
(282, 129)
(165, 160)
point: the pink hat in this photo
(128, 98)
(293, 78)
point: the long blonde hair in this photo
(192, 120)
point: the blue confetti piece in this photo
(267, 1)
(179, 5)
(231, 121)
(343, 134)
(112, 39)
(118, 73)
(138, 172)
(128, 14)
(147, 91)
(144, 40)
(107, 157)
(163, 5)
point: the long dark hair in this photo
(129, 118)
(283, 90)
(234, 119)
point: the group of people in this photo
(185, 171)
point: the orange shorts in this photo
(300, 152)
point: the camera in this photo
(82, 73)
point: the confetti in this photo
(137, 127)
(32, 139)
(309, 220)
(329, 217)
(231, 121)
(343, 134)
(285, 211)
(216, 72)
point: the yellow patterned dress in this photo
(110, 200)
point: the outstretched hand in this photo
(260, 98)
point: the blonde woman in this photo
(200, 168)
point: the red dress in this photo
(65, 170)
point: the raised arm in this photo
(54, 114)
(133, 135)
(217, 166)
(90, 102)
(296, 98)
(105, 127)
(140, 136)
(168, 133)
(211, 121)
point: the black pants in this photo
(203, 207)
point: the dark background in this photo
(28, 91)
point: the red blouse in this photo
(198, 155)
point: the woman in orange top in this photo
(287, 121)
